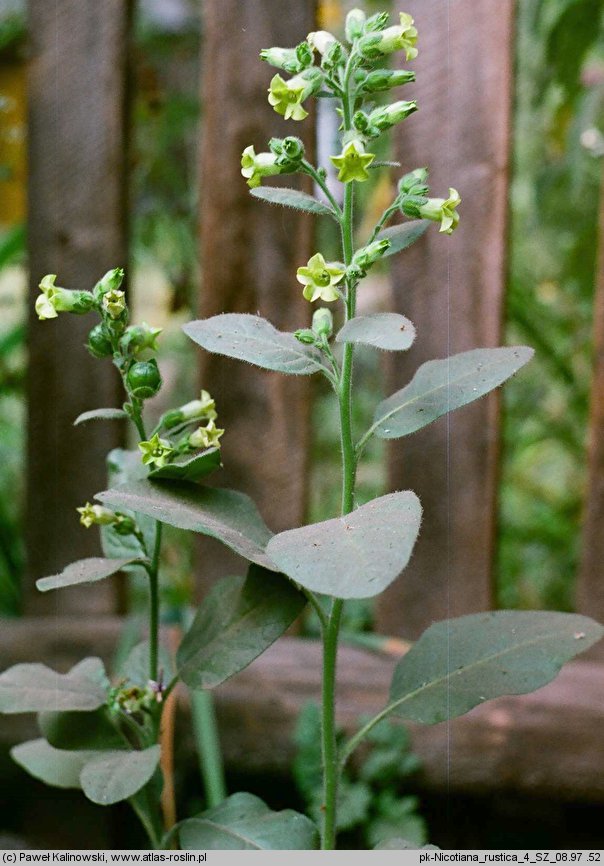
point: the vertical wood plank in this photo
(250, 252)
(590, 586)
(77, 229)
(452, 290)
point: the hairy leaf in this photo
(237, 621)
(100, 415)
(51, 766)
(26, 688)
(253, 339)
(122, 468)
(114, 776)
(356, 556)
(136, 666)
(227, 515)
(440, 386)
(244, 822)
(403, 235)
(389, 331)
(292, 198)
(191, 468)
(84, 571)
(460, 663)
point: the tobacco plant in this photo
(103, 736)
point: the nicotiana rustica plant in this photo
(102, 736)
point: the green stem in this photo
(328, 727)
(208, 747)
(154, 605)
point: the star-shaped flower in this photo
(156, 452)
(352, 163)
(443, 210)
(114, 303)
(91, 515)
(286, 97)
(206, 437)
(320, 278)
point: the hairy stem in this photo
(154, 605)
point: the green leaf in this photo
(460, 663)
(389, 331)
(356, 556)
(396, 814)
(252, 339)
(440, 386)
(101, 415)
(114, 776)
(136, 666)
(27, 688)
(227, 515)
(84, 571)
(244, 822)
(51, 766)
(237, 621)
(403, 235)
(81, 731)
(292, 198)
(190, 468)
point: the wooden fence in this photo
(547, 743)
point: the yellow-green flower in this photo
(205, 407)
(320, 278)
(286, 97)
(55, 300)
(255, 166)
(352, 163)
(401, 37)
(156, 452)
(114, 303)
(321, 41)
(442, 210)
(206, 437)
(91, 515)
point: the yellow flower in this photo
(206, 437)
(401, 37)
(443, 210)
(256, 166)
(156, 452)
(319, 279)
(286, 97)
(352, 163)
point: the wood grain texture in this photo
(451, 289)
(77, 229)
(590, 586)
(545, 744)
(250, 251)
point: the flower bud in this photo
(384, 79)
(291, 60)
(112, 280)
(360, 121)
(322, 322)
(205, 407)
(98, 343)
(386, 116)
(137, 338)
(402, 37)
(114, 303)
(414, 183)
(305, 336)
(411, 205)
(291, 152)
(367, 256)
(355, 22)
(376, 22)
(321, 41)
(334, 56)
(144, 379)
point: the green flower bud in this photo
(156, 451)
(360, 121)
(256, 166)
(137, 338)
(305, 336)
(319, 279)
(353, 162)
(124, 525)
(195, 410)
(414, 183)
(443, 210)
(367, 256)
(293, 148)
(134, 699)
(289, 152)
(334, 57)
(386, 116)
(402, 37)
(355, 23)
(206, 437)
(98, 343)
(321, 41)
(55, 300)
(144, 379)
(112, 280)
(322, 322)
(377, 22)
(114, 303)
(291, 60)
(411, 205)
(384, 79)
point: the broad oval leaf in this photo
(84, 571)
(389, 331)
(356, 556)
(292, 198)
(403, 235)
(26, 688)
(191, 468)
(100, 415)
(136, 666)
(460, 663)
(244, 822)
(440, 386)
(237, 621)
(253, 339)
(227, 515)
(51, 766)
(81, 731)
(113, 776)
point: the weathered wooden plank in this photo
(250, 252)
(77, 229)
(590, 586)
(451, 288)
(545, 744)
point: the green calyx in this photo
(143, 379)
(99, 342)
